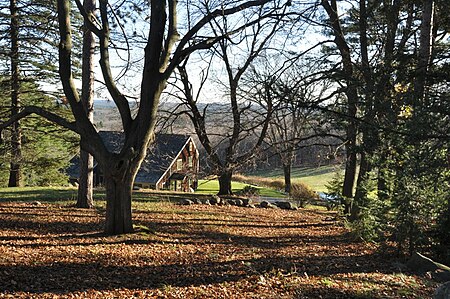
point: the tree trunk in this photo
(384, 188)
(350, 172)
(351, 93)
(361, 189)
(425, 49)
(85, 197)
(287, 178)
(225, 183)
(118, 205)
(85, 188)
(16, 134)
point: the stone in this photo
(235, 202)
(246, 201)
(186, 202)
(264, 204)
(285, 205)
(267, 205)
(238, 202)
(214, 200)
(443, 291)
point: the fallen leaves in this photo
(51, 251)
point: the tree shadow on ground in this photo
(106, 271)
(71, 277)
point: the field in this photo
(315, 177)
(212, 187)
(49, 249)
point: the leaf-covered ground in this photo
(57, 251)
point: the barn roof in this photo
(160, 154)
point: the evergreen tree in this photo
(28, 65)
(46, 148)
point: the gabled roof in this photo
(160, 154)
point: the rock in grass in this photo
(196, 201)
(267, 205)
(186, 202)
(246, 202)
(286, 205)
(238, 202)
(214, 200)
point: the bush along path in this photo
(195, 251)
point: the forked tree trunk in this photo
(287, 178)
(118, 205)
(225, 183)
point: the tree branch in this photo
(28, 110)
(118, 97)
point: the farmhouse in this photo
(171, 162)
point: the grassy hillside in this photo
(315, 177)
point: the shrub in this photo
(302, 194)
(249, 191)
(276, 184)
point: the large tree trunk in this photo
(287, 178)
(118, 205)
(352, 96)
(16, 134)
(86, 180)
(225, 183)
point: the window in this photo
(191, 146)
(191, 163)
(179, 164)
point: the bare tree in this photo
(297, 122)
(244, 118)
(165, 48)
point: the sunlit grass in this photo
(49, 194)
(212, 187)
(315, 177)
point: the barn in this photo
(171, 163)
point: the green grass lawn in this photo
(48, 194)
(315, 177)
(212, 187)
